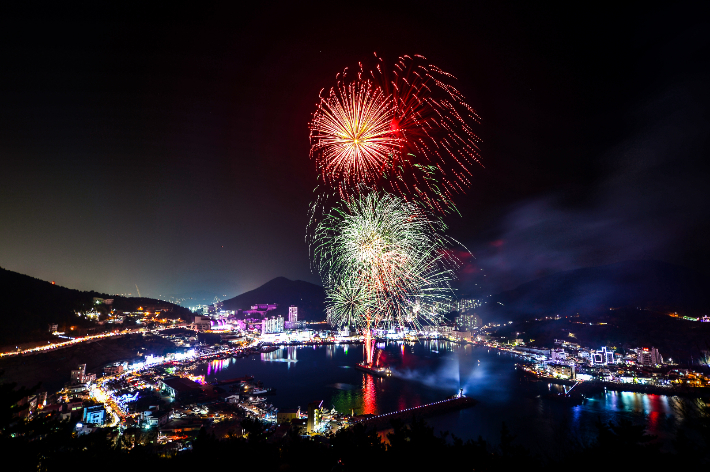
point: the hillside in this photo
(308, 297)
(645, 284)
(29, 305)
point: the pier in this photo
(384, 420)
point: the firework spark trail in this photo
(350, 132)
(382, 260)
(404, 130)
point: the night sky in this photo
(168, 147)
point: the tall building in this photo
(77, 375)
(603, 356)
(314, 416)
(467, 321)
(293, 314)
(649, 356)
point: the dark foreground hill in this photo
(28, 305)
(650, 285)
(308, 297)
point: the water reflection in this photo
(430, 370)
(284, 354)
(369, 395)
(217, 365)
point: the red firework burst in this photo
(404, 130)
(351, 137)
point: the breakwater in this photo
(384, 421)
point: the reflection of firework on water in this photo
(405, 130)
(381, 260)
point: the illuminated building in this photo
(558, 355)
(467, 336)
(562, 371)
(329, 315)
(649, 356)
(113, 369)
(202, 323)
(94, 414)
(79, 375)
(273, 324)
(285, 416)
(314, 416)
(293, 314)
(467, 322)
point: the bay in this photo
(428, 371)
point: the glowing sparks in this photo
(392, 148)
(350, 132)
(382, 259)
(406, 131)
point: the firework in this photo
(348, 303)
(381, 260)
(405, 130)
(351, 135)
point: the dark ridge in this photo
(29, 305)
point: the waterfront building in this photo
(272, 324)
(562, 371)
(466, 336)
(180, 388)
(293, 314)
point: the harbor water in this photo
(428, 371)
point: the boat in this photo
(377, 371)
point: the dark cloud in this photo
(653, 199)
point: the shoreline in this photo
(591, 387)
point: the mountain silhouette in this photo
(29, 305)
(308, 297)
